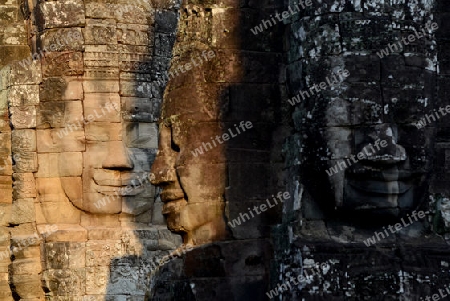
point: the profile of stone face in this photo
(192, 182)
(361, 150)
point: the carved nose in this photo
(117, 157)
(384, 149)
(162, 171)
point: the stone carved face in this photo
(193, 184)
(390, 178)
(117, 159)
(382, 100)
(115, 163)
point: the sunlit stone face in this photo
(361, 152)
(193, 184)
(117, 161)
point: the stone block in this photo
(24, 95)
(97, 279)
(25, 230)
(140, 89)
(141, 135)
(22, 211)
(50, 190)
(57, 88)
(66, 213)
(97, 152)
(140, 109)
(24, 185)
(31, 75)
(60, 140)
(102, 204)
(50, 114)
(10, 54)
(99, 10)
(133, 34)
(103, 131)
(102, 234)
(68, 114)
(68, 63)
(102, 107)
(142, 14)
(101, 253)
(101, 86)
(4, 236)
(6, 189)
(157, 216)
(5, 292)
(244, 190)
(23, 117)
(29, 252)
(101, 56)
(28, 286)
(5, 259)
(23, 141)
(136, 205)
(92, 221)
(62, 39)
(25, 162)
(5, 154)
(67, 14)
(72, 187)
(65, 255)
(5, 79)
(247, 67)
(26, 266)
(67, 164)
(142, 158)
(74, 90)
(100, 32)
(5, 213)
(13, 33)
(67, 233)
(164, 44)
(65, 282)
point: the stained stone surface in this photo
(104, 106)
(337, 208)
(78, 134)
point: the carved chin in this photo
(173, 223)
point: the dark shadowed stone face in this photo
(379, 159)
(361, 151)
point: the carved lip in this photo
(171, 194)
(173, 206)
(376, 175)
(380, 187)
(118, 190)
